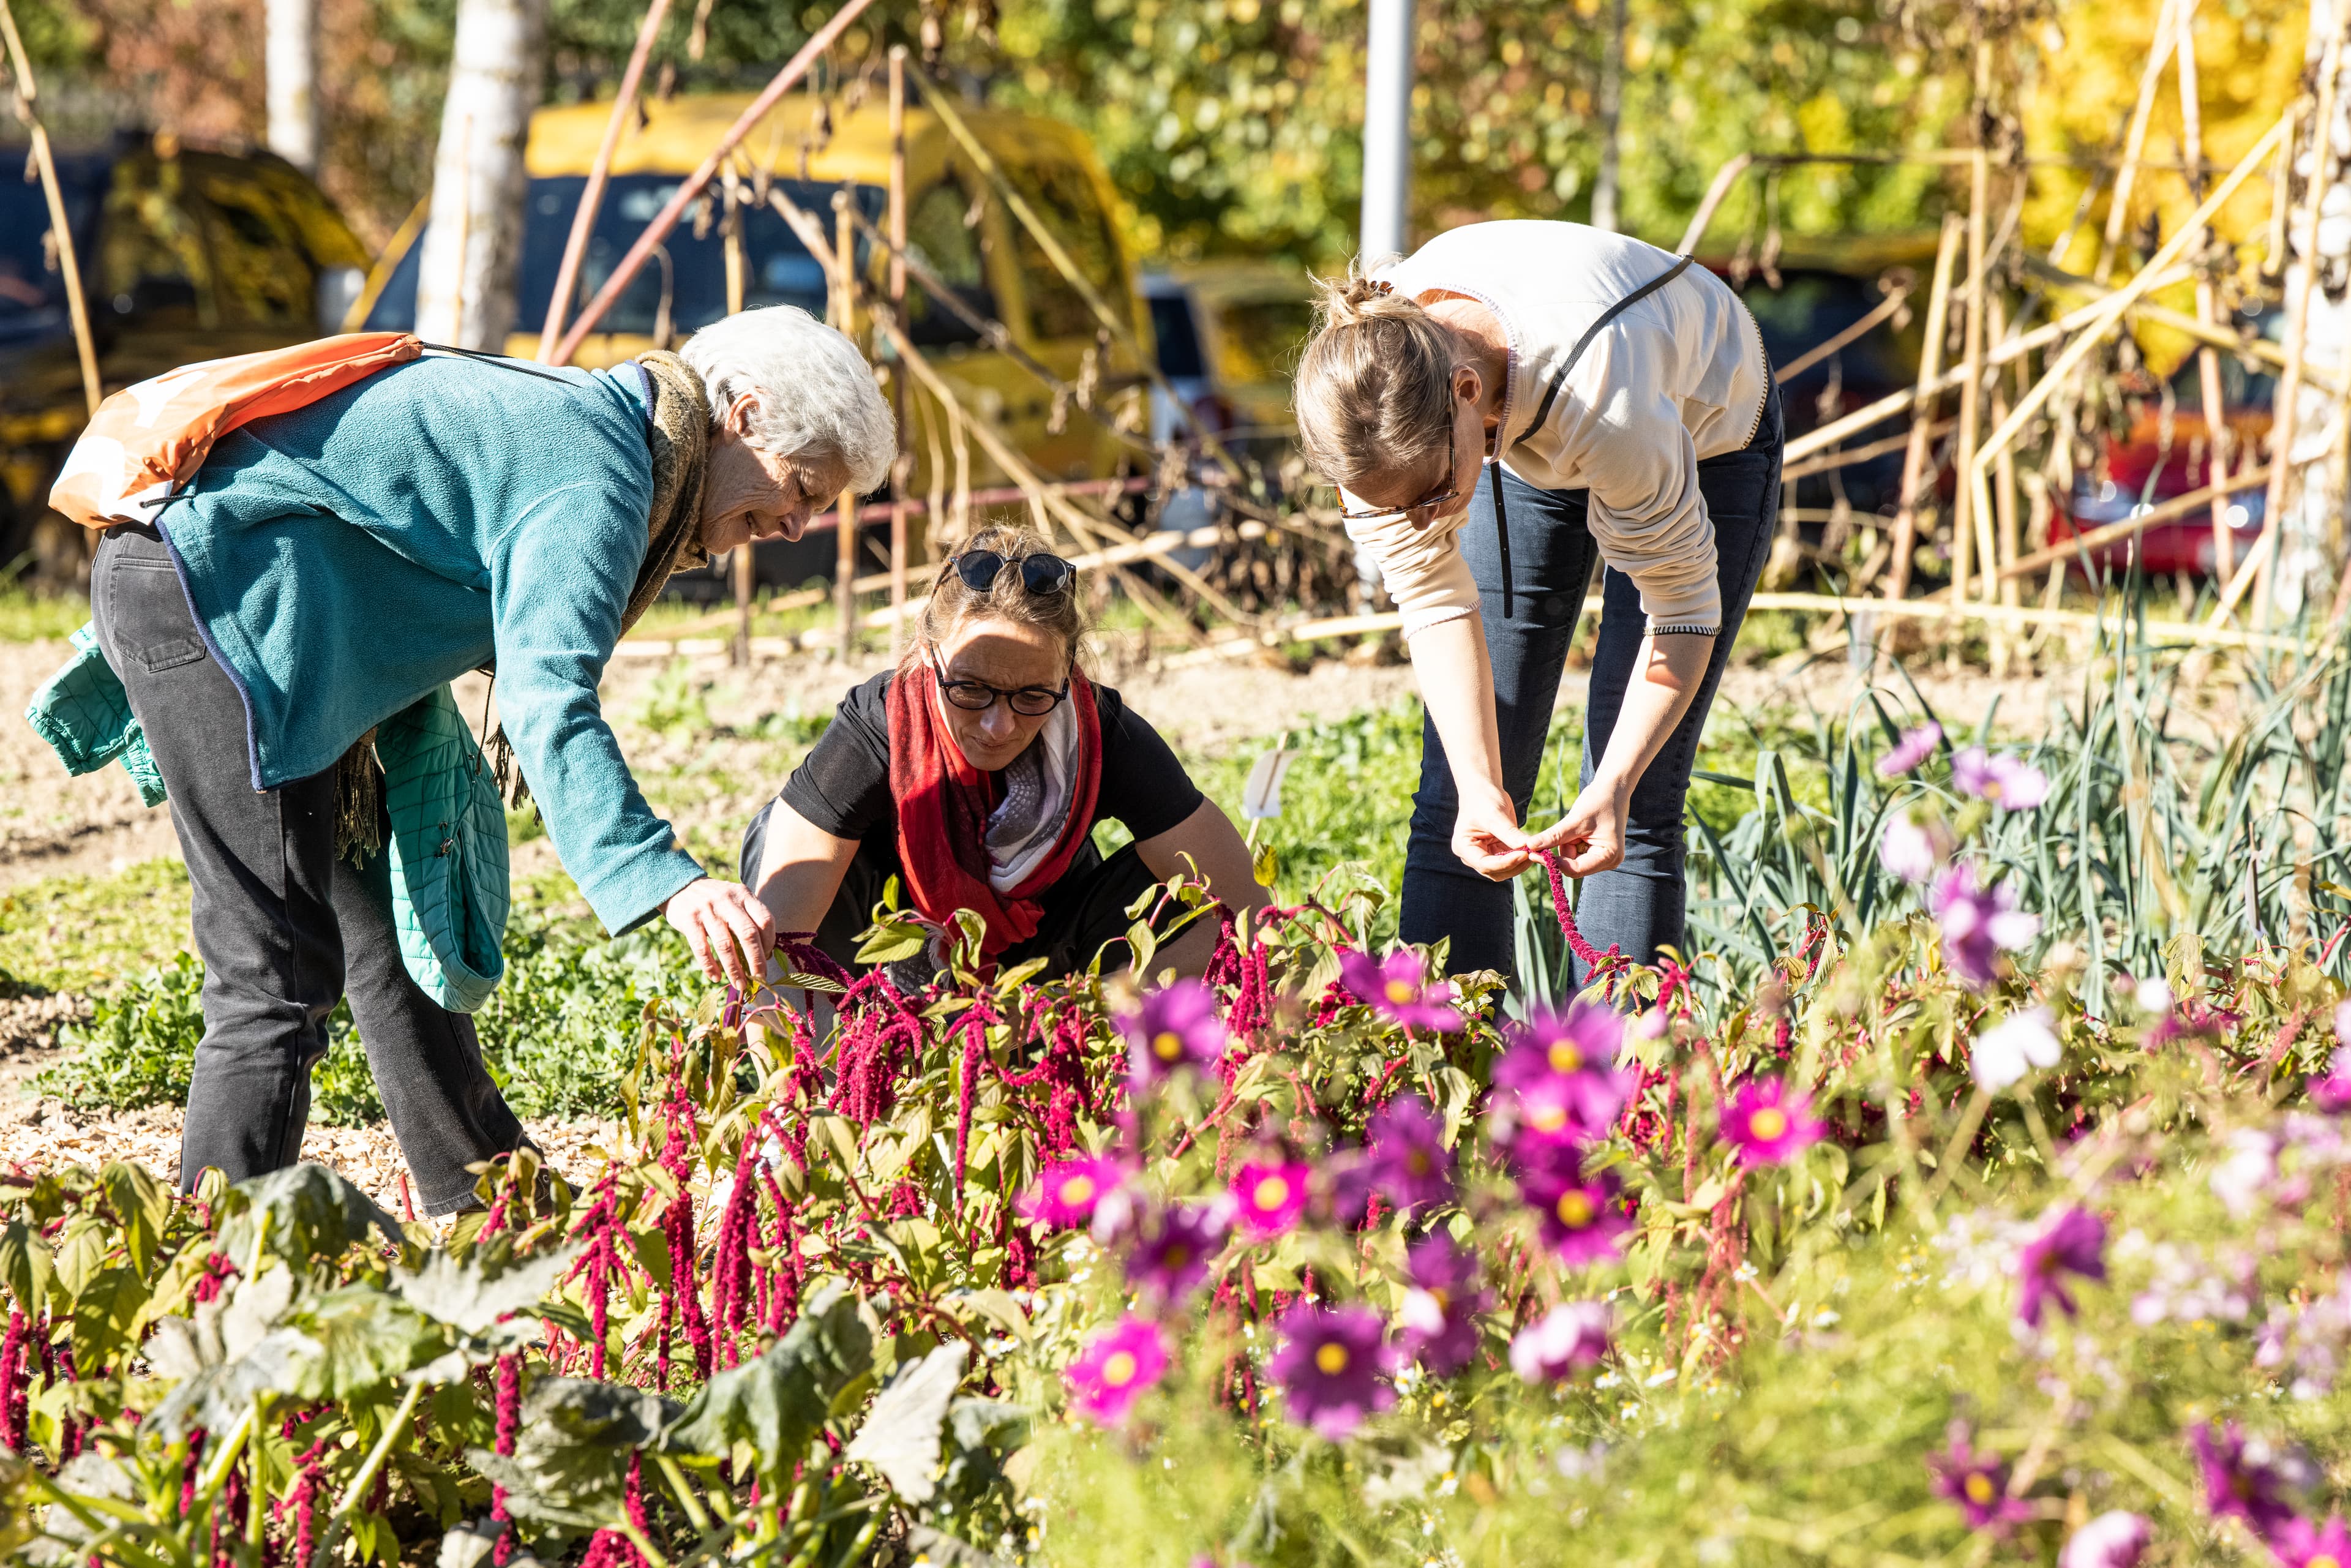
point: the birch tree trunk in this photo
(2310, 520)
(472, 242)
(291, 63)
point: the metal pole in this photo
(1387, 127)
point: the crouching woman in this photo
(975, 773)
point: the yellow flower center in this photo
(1574, 1208)
(1167, 1045)
(1271, 1193)
(2324, 1560)
(1443, 1298)
(1979, 1489)
(1331, 1358)
(1077, 1189)
(1400, 992)
(1564, 1057)
(1178, 1256)
(1118, 1370)
(1768, 1123)
(1548, 1117)
(1416, 1162)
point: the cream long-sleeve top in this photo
(1677, 377)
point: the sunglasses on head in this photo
(1039, 574)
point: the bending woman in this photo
(1499, 408)
(975, 773)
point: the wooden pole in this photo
(2005, 497)
(691, 186)
(1724, 178)
(68, 265)
(2133, 140)
(2162, 512)
(898, 309)
(2207, 358)
(745, 563)
(2285, 411)
(592, 197)
(1922, 418)
(1963, 512)
(844, 317)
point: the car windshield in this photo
(32, 291)
(686, 276)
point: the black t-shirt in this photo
(842, 786)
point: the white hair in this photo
(817, 396)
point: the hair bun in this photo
(1359, 295)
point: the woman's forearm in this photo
(800, 870)
(1666, 677)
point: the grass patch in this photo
(81, 933)
(33, 617)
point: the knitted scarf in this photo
(677, 435)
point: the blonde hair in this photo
(1375, 387)
(953, 602)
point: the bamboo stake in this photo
(2005, 495)
(2118, 205)
(1965, 509)
(68, 264)
(844, 585)
(1895, 297)
(2107, 533)
(2207, 358)
(691, 186)
(1724, 178)
(2100, 319)
(1922, 418)
(746, 566)
(592, 196)
(2285, 411)
(898, 309)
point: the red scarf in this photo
(943, 805)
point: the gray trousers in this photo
(284, 928)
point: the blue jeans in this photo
(1639, 906)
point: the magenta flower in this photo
(1066, 1193)
(1581, 1219)
(1407, 1162)
(1915, 747)
(1572, 1335)
(1117, 1366)
(1912, 848)
(2114, 1540)
(2009, 782)
(2299, 1544)
(1176, 1026)
(1977, 921)
(1269, 1198)
(1440, 1308)
(2239, 1480)
(1332, 1368)
(1173, 1248)
(1558, 1079)
(1769, 1123)
(2073, 1243)
(2332, 1092)
(2343, 1022)
(1394, 988)
(1978, 1482)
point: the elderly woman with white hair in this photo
(328, 567)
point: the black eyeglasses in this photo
(978, 696)
(1039, 574)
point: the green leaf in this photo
(105, 1315)
(571, 1450)
(309, 1212)
(777, 1402)
(26, 1266)
(471, 1296)
(145, 1208)
(901, 1435)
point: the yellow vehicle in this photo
(964, 236)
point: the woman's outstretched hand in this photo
(1488, 838)
(1591, 834)
(730, 931)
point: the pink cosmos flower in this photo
(2299, 1544)
(2009, 782)
(2332, 1092)
(2073, 1243)
(2113, 1540)
(1441, 1306)
(2239, 1481)
(1769, 1123)
(1395, 989)
(1332, 1368)
(1172, 1249)
(1119, 1364)
(2020, 1042)
(1911, 847)
(1407, 1162)
(1581, 1221)
(1915, 747)
(1176, 1026)
(1978, 1482)
(2343, 1022)
(1572, 1335)
(1559, 1080)
(1268, 1198)
(1978, 922)
(1066, 1194)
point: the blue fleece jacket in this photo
(348, 557)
